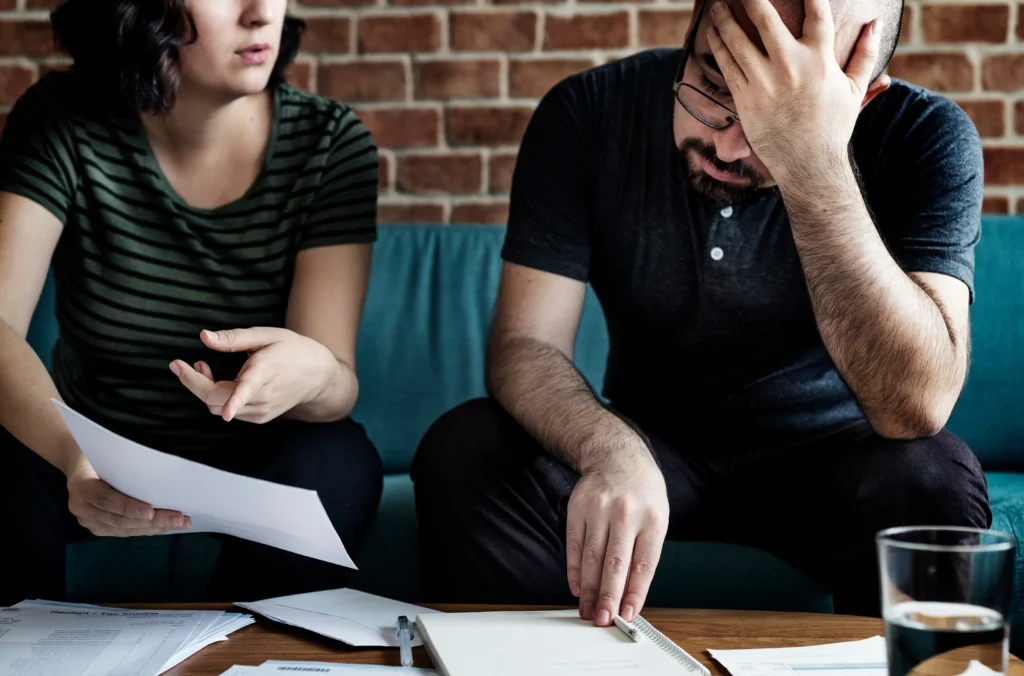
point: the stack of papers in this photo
(346, 615)
(863, 658)
(272, 514)
(67, 639)
(325, 668)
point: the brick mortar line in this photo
(504, 74)
(596, 53)
(1002, 142)
(26, 14)
(485, 171)
(993, 48)
(445, 22)
(976, 62)
(988, 47)
(343, 59)
(407, 73)
(20, 61)
(966, 3)
(1015, 14)
(428, 151)
(373, 11)
(979, 95)
(1007, 117)
(954, 48)
(463, 199)
(392, 172)
(445, 194)
(404, 198)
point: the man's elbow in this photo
(915, 417)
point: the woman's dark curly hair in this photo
(127, 50)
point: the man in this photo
(782, 241)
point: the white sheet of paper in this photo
(539, 643)
(239, 670)
(333, 669)
(61, 641)
(339, 628)
(863, 658)
(321, 611)
(280, 516)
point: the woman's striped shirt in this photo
(139, 273)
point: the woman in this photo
(210, 232)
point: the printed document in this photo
(850, 658)
(213, 627)
(281, 516)
(61, 641)
(323, 669)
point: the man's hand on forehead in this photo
(796, 105)
(791, 14)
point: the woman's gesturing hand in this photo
(284, 370)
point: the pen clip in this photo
(405, 625)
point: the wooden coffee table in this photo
(694, 630)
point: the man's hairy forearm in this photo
(542, 389)
(892, 342)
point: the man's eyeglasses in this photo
(697, 103)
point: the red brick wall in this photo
(448, 88)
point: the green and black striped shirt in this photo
(139, 273)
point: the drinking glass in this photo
(946, 595)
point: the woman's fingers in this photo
(204, 369)
(101, 496)
(242, 340)
(210, 392)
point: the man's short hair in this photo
(892, 22)
(890, 13)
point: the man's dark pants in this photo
(492, 504)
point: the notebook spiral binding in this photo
(666, 644)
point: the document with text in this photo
(61, 641)
(324, 669)
(866, 657)
(213, 626)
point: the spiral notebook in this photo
(547, 643)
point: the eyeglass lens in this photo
(699, 103)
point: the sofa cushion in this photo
(987, 415)
(1006, 495)
(424, 332)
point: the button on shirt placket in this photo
(715, 250)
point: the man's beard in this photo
(719, 192)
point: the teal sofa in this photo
(421, 352)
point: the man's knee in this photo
(464, 445)
(942, 482)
